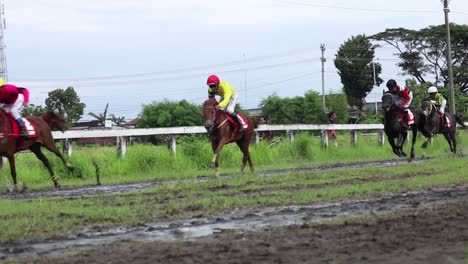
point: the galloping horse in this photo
(11, 142)
(394, 128)
(222, 132)
(432, 124)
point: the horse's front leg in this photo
(400, 142)
(217, 147)
(11, 161)
(413, 142)
(391, 140)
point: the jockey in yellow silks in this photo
(228, 94)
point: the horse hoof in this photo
(212, 166)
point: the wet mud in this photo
(427, 226)
(237, 221)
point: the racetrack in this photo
(427, 226)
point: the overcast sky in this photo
(128, 53)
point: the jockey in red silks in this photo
(13, 99)
(229, 97)
(403, 98)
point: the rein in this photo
(215, 114)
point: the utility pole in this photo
(375, 85)
(322, 48)
(449, 58)
(245, 80)
(3, 61)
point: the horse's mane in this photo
(54, 120)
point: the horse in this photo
(11, 142)
(394, 129)
(222, 131)
(432, 124)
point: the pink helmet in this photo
(213, 79)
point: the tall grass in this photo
(144, 162)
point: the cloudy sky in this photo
(132, 52)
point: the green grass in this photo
(149, 162)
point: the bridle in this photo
(214, 119)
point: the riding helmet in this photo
(432, 89)
(391, 83)
(213, 79)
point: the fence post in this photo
(3, 162)
(172, 144)
(67, 148)
(121, 146)
(353, 137)
(290, 135)
(381, 138)
(256, 138)
(325, 138)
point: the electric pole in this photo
(322, 48)
(449, 58)
(3, 61)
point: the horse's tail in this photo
(459, 119)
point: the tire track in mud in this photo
(134, 187)
(246, 219)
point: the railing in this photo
(122, 136)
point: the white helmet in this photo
(432, 89)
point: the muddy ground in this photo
(432, 235)
(427, 226)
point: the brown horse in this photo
(222, 132)
(11, 142)
(432, 124)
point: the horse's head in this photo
(426, 107)
(209, 113)
(387, 101)
(55, 120)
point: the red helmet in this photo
(213, 79)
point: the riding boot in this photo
(23, 132)
(236, 119)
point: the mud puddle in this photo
(133, 187)
(242, 220)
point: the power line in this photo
(297, 3)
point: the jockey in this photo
(438, 100)
(403, 100)
(228, 94)
(13, 99)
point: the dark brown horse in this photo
(222, 132)
(11, 142)
(394, 128)
(432, 124)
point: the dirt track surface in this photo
(431, 235)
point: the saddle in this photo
(30, 129)
(234, 124)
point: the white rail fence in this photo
(123, 136)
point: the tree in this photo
(33, 110)
(66, 102)
(337, 103)
(302, 110)
(354, 61)
(170, 114)
(101, 117)
(423, 52)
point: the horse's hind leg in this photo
(244, 147)
(36, 149)
(52, 148)
(450, 137)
